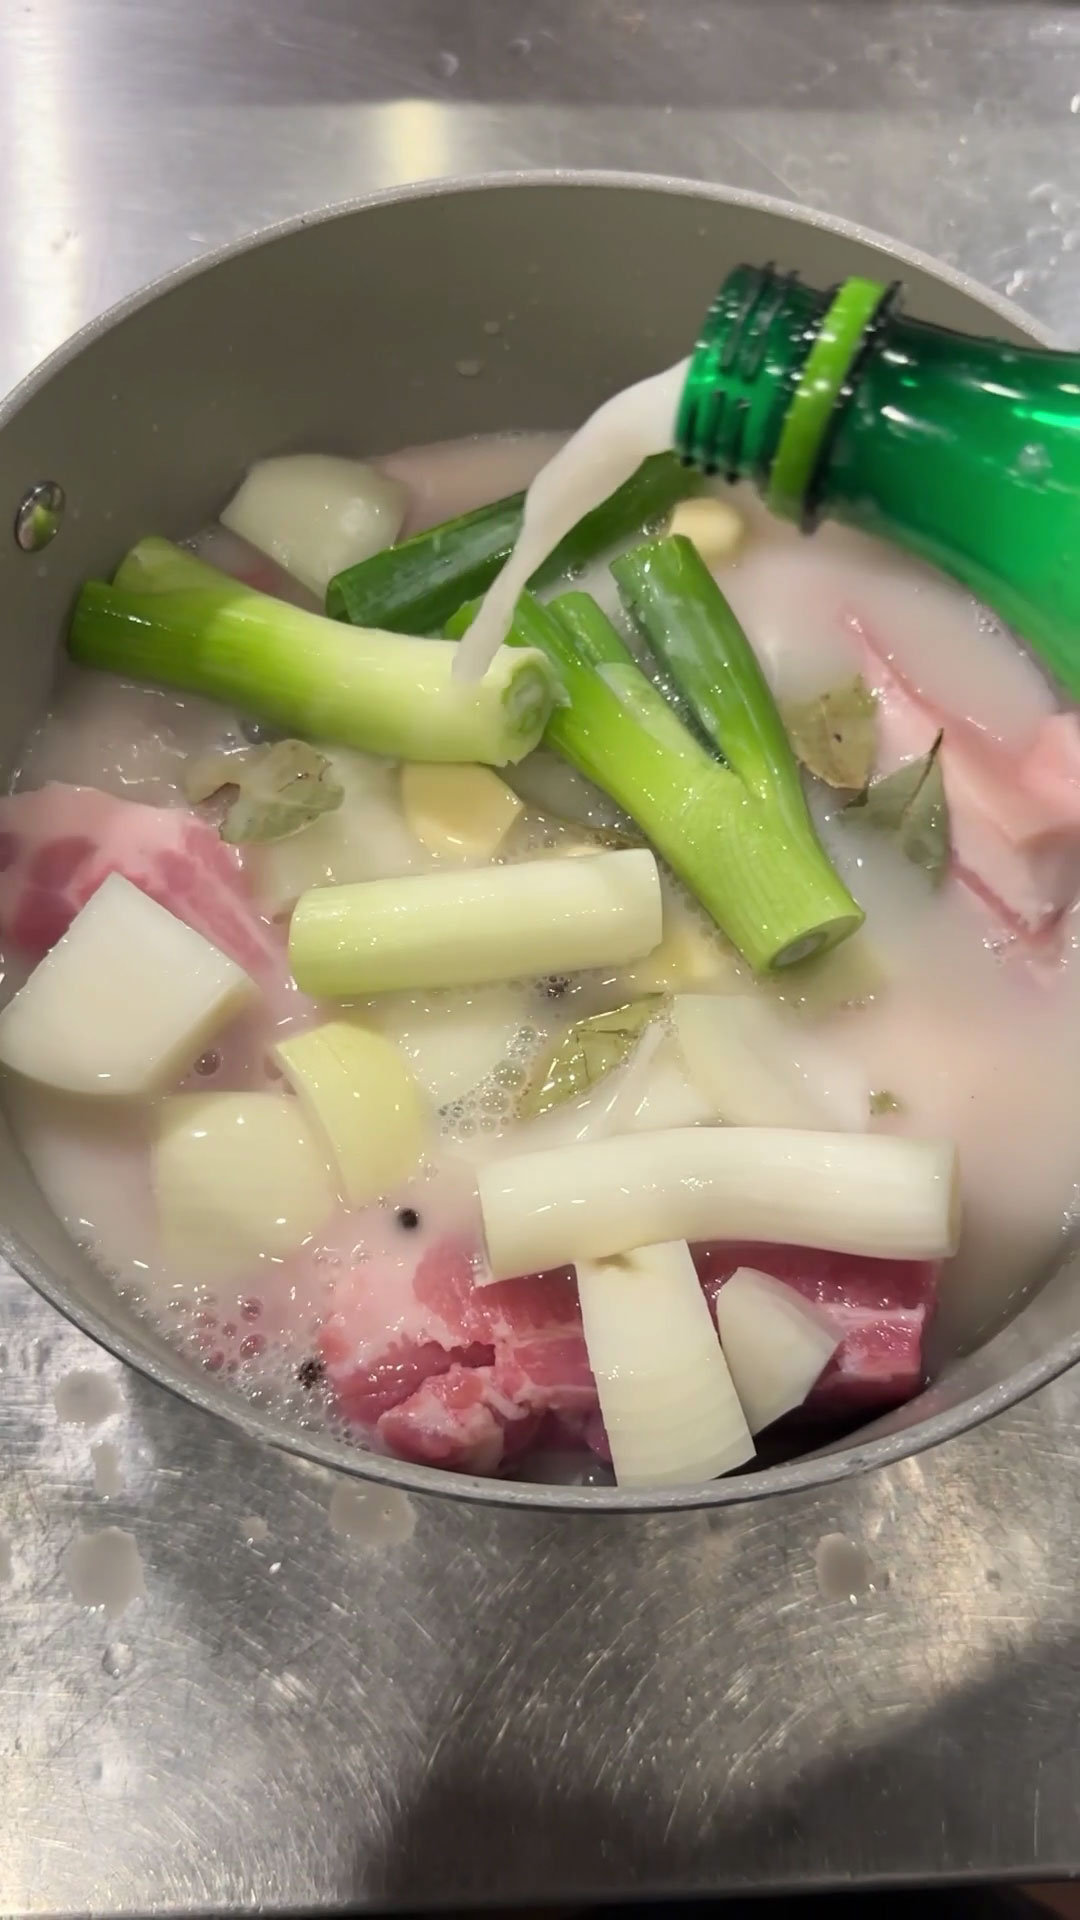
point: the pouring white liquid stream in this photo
(604, 453)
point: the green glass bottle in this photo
(966, 451)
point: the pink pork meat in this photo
(397, 1346)
(58, 843)
(468, 1377)
(396, 1327)
(1014, 812)
(458, 1419)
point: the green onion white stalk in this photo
(880, 1196)
(777, 1345)
(671, 1412)
(776, 897)
(466, 927)
(171, 619)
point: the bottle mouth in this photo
(772, 370)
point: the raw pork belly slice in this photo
(1014, 813)
(398, 1346)
(58, 843)
(467, 1377)
(879, 1308)
(458, 1419)
(541, 1360)
(393, 1329)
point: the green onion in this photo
(772, 892)
(171, 619)
(417, 586)
(673, 599)
(414, 587)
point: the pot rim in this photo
(811, 1471)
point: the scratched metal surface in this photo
(506, 1706)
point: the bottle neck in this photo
(963, 450)
(770, 378)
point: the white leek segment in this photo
(758, 1067)
(315, 514)
(716, 528)
(458, 812)
(670, 1409)
(124, 1002)
(877, 1195)
(450, 929)
(236, 1177)
(776, 1344)
(356, 1087)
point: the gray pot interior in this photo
(344, 333)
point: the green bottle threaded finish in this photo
(966, 451)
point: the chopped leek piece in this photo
(171, 619)
(124, 1002)
(280, 789)
(465, 928)
(458, 811)
(589, 1050)
(862, 1193)
(911, 804)
(354, 1085)
(671, 1412)
(776, 1344)
(761, 1068)
(237, 1177)
(834, 735)
(749, 865)
(785, 901)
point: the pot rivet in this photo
(40, 512)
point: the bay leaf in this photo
(589, 1050)
(279, 789)
(834, 735)
(911, 805)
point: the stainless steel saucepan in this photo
(344, 332)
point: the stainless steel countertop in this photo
(499, 1706)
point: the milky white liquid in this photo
(976, 1042)
(604, 453)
